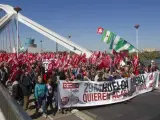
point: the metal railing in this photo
(10, 108)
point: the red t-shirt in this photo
(136, 72)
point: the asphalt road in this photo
(142, 107)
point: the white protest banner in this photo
(143, 83)
(157, 82)
(89, 93)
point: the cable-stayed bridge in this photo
(9, 19)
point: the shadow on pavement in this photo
(36, 115)
(31, 107)
(32, 100)
(109, 105)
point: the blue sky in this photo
(80, 19)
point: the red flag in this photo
(94, 57)
(135, 61)
(105, 62)
(114, 52)
(117, 59)
(124, 53)
(50, 66)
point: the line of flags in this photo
(116, 42)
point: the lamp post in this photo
(69, 38)
(137, 42)
(56, 47)
(41, 46)
(17, 9)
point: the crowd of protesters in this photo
(27, 73)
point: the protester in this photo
(152, 67)
(50, 94)
(55, 78)
(17, 92)
(26, 86)
(4, 73)
(40, 95)
(79, 77)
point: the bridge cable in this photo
(6, 39)
(18, 33)
(1, 14)
(5, 36)
(2, 32)
(13, 35)
(10, 43)
(3, 41)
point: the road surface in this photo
(142, 107)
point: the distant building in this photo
(32, 47)
(150, 49)
(30, 43)
(34, 50)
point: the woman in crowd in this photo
(50, 94)
(40, 95)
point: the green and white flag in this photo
(116, 42)
(107, 36)
(119, 44)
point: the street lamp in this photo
(69, 38)
(41, 46)
(137, 42)
(17, 9)
(56, 47)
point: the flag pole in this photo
(69, 38)
(137, 42)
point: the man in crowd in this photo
(152, 67)
(26, 86)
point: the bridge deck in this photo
(143, 107)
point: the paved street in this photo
(143, 107)
(58, 116)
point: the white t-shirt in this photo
(96, 78)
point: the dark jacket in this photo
(26, 85)
(4, 75)
(61, 75)
(33, 79)
(1, 75)
(17, 91)
(42, 70)
(54, 82)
